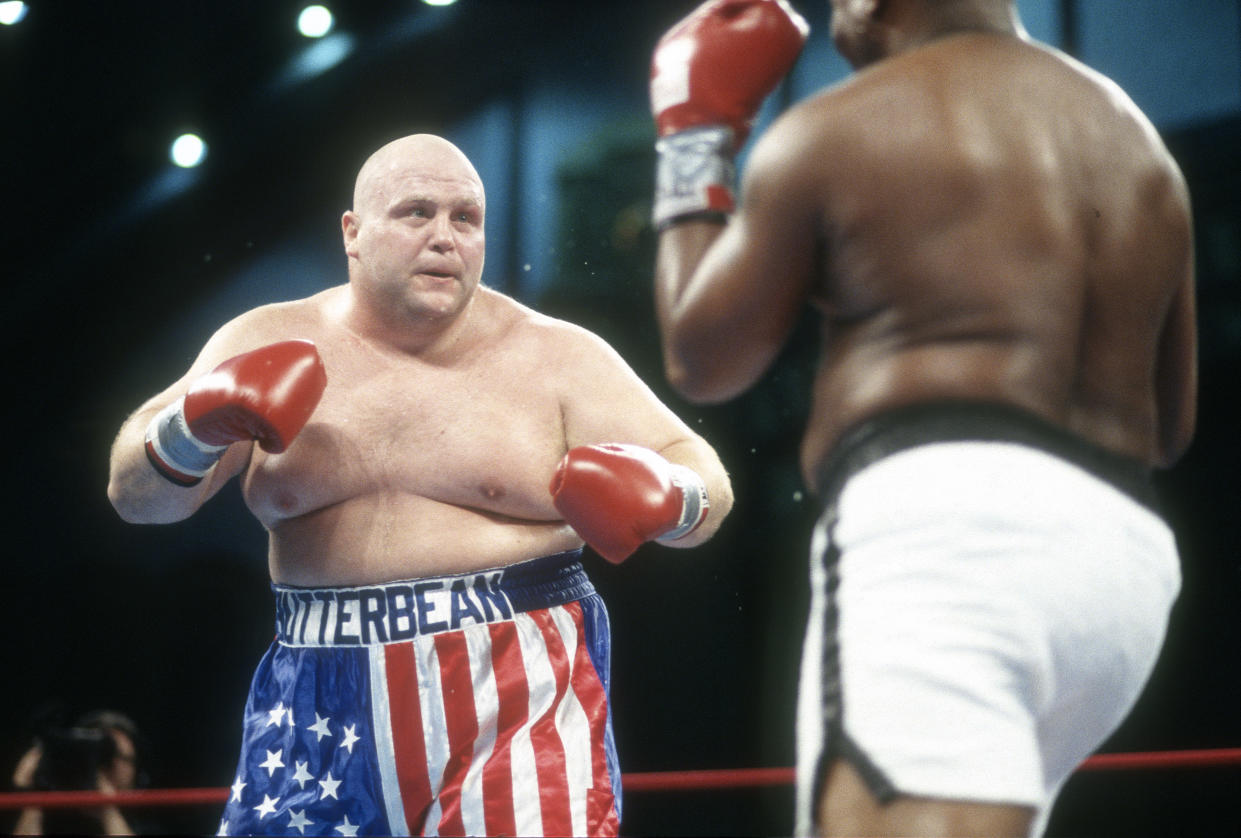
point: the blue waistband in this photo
(399, 611)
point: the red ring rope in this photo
(634, 781)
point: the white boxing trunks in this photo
(989, 597)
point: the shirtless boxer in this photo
(999, 250)
(430, 457)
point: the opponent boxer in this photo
(430, 457)
(998, 246)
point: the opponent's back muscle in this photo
(1007, 226)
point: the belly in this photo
(387, 536)
(363, 514)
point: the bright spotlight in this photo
(188, 150)
(439, 2)
(12, 12)
(314, 21)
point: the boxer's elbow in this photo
(1173, 447)
(702, 380)
(139, 502)
(127, 504)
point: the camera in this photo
(72, 758)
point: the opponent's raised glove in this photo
(619, 496)
(709, 75)
(266, 395)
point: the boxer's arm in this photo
(141, 487)
(693, 452)
(709, 75)
(604, 402)
(680, 249)
(139, 493)
(618, 497)
(729, 292)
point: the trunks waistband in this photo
(394, 612)
(908, 427)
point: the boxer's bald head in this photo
(421, 155)
(414, 236)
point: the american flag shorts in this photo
(474, 704)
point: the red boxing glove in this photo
(717, 65)
(709, 76)
(618, 496)
(266, 395)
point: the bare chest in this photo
(486, 437)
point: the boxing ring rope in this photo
(642, 781)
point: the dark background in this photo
(118, 268)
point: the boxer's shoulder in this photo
(520, 327)
(270, 322)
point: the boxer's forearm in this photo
(137, 491)
(174, 454)
(680, 250)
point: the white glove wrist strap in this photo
(694, 173)
(694, 502)
(170, 439)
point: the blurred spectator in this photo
(99, 751)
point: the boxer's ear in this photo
(349, 224)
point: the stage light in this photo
(314, 21)
(439, 2)
(188, 150)
(12, 12)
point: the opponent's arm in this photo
(727, 289)
(177, 450)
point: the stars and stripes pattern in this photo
(498, 728)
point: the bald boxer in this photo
(428, 457)
(998, 248)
